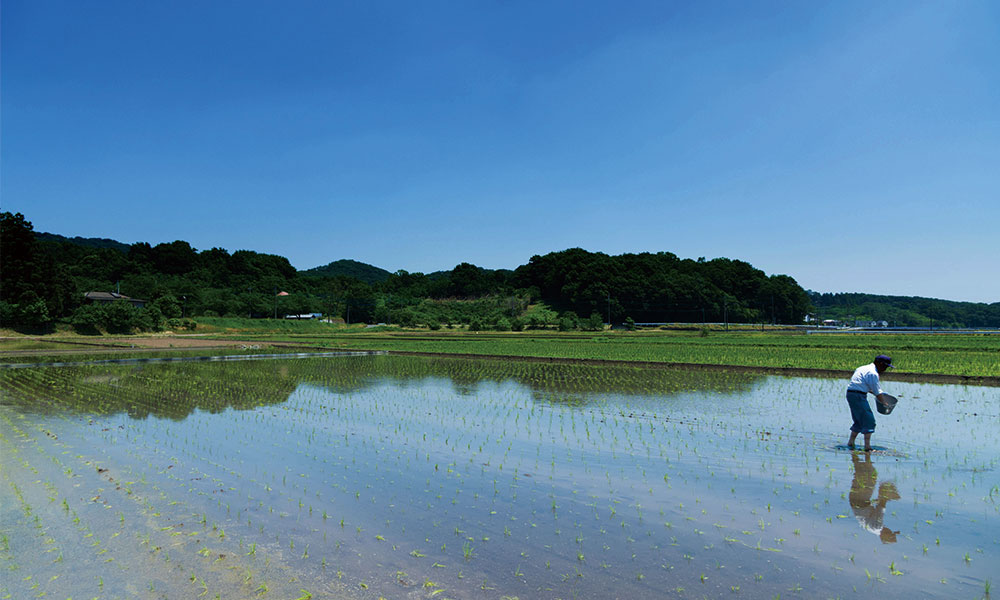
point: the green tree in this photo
(88, 319)
(31, 281)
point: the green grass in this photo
(971, 355)
(243, 324)
(20, 344)
(963, 355)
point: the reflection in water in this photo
(870, 513)
(175, 390)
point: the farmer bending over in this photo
(865, 380)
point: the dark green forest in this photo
(906, 311)
(43, 279)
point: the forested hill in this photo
(661, 287)
(905, 311)
(80, 241)
(350, 268)
(45, 278)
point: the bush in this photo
(567, 324)
(8, 314)
(182, 324)
(433, 325)
(168, 305)
(704, 331)
(502, 324)
(595, 322)
(150, 319)
(406, 318)
(120, 317)
(630, 323)
(475, 325)
(517, 324)
(88, 319)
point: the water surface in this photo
(415, 477)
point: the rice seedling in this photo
(244, 466)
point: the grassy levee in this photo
(973, 356)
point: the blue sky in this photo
(852, 145)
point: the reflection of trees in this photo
(870, 513)
(175, 390)
(167, 391)
(548, 382)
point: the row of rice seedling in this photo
(966, 355)
(447, 478)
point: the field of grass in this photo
(962, 355)
(269, 326)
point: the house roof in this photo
(109, 297)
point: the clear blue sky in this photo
(852, 145)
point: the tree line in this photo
(44, 279)
(905, 311)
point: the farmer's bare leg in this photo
(850, 441)
(868, 442)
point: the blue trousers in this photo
(861, 412)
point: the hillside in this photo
(349, 268)
(905, 311)
(81, 241)
(45, 277)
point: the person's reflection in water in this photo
(870, 513)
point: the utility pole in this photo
(609, 310)
(725, 311)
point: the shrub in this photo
(87, 319)
(168, 305)
(567, 324)
(35, 314)
(406, 318)
(120, 317)
(517, 324)
(502, 324)
(8, 314)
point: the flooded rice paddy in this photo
(378, 476)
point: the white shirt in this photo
(865, 379)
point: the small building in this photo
(109, 297)
(305, 316)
